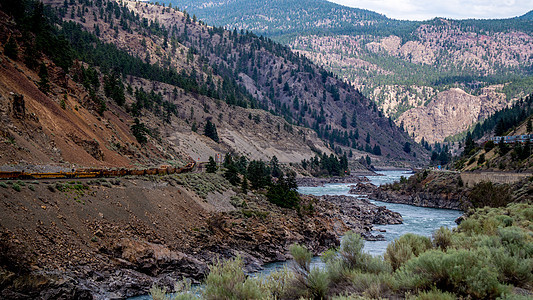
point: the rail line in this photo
(97, 173)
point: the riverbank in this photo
(111, 239)
(447, 190)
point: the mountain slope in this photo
(398, 64)
(219, 62)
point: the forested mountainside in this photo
(399, 64)
(163, 78)
(219, 63)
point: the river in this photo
(419, 220)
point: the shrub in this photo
(3, 184)
(401, 250)
(435, 295)
(351, 250)
(512, 269)
(277, 283)
(226, 280)
(302, 258)
(16, 187)
(461, 271)
(373, 285)
(489, 194)
(31, 187)
(318, 283)
(442, 238)
(308, 282)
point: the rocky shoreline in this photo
(444, 199)
(359, 215)
(320, 181)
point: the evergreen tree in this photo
(376, 150)
(139, 130)
(232, 174)
(284, 192)
(528, 126)
(407, 147)
(44, 83)
(470, 145)
(353, 123)
(367, 138)
(344, 121)
(244, 185)
(500, 128)
(275, 170)
(210, 131)
(11, 49)
(211, 166)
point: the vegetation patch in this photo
(484, 258)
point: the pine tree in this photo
(344, 121)
(353, 123)
(211, 166)
(210, 131)
(44, 83)
(528, 126)
(244, 185)
(11, 49)
(407, 147)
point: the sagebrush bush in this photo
(226, 280)
(434, 295)
(442, 238)
(307, 282)
(459, 271)
(16, 187)
(407, 246)
(277, 283)
(373, 285)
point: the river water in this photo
(418, 220)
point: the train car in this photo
(90, 173)
(151, 171)
(52, 175)
(10, 175)
(137, 172)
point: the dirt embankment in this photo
(113, 238)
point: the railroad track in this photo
(97, 173)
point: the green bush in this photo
(351, 250)
(302, 258)
(442, 238)
(226, 280)
(277, 283)
(16, 187)
(31, 187)
(3, 184)
(435, 295)
(318, 283)
(308, 282)
(407, 246)
(373, 285)
(459, 271)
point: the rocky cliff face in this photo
(449, 113)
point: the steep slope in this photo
(275, 78)
(78, 121)
(398, 64)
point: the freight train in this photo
(511, 139)
(96, 173)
